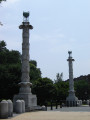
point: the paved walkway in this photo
(53, 115)
(71, 109)
(79, 113)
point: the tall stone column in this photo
(25, 79)
(25, 90)
(71, 82)
(71, 99)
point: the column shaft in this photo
(25, 79)
(71, 83)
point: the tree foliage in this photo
(9, 78)
(2, 46)
(43, 88)
(61, 90)
(59, 77)
(2, 0)
(82, 88)
(35, 72)
(10, 71)
(8, 57)
(33, 62)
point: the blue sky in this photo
(59, 26)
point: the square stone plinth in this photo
(30, 101)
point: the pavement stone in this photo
(70, 109)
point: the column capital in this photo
(70, 59)
(25, 26)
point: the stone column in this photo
(25, 90)
(71, 82)
(71, 99)
(25, 79)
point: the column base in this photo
(71, 101)
(30, 100)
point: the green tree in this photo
(8, 57)
(61, 90)
(9, 78)
(10, 71)
(2, 0)
(2, 46)
(35, 72)
(82, 89)
(43, 88)
(59, 77)
(33, 62)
